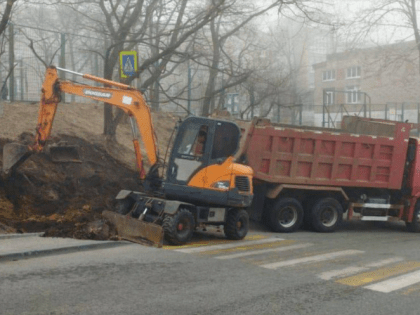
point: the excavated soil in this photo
(67, 199)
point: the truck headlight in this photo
(221, 185)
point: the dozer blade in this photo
(135, 230)
(14, 154)
(64, 154)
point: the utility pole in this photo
(189, 87)
(11, 63)
(63, 62)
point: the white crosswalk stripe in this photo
(263, 251)
(227, 246)
(328, 275)
(384, 275)
(396, 283)
(316, 258)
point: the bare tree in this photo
(233, 19)
(158, 27)
(388, 20)
(7, 11)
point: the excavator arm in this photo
(130, 100)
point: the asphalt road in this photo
(362, 269)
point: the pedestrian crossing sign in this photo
(128, 63)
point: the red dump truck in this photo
(369, 170)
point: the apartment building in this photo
(384, 78)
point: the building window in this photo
(353, 72)
(353, 94)
(328, 75)
(329, 96)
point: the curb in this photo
(61, 250)
(16, 235)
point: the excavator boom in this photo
(123, 96)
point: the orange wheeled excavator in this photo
(203, 185)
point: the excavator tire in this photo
(237, 224)
(178, 229)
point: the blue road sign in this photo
(128, 63)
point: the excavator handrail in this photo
(98, 79)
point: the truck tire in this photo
(326, 215)
(178, 229)
(285, 215)
(237, 224)
(123, 206)
(414, 225)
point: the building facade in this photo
(380, 82)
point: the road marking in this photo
(315, 258)
(245, 247)
(263, 251)
(224, 246)
(396, 283)
(379, 274)
(207, 242)
(338, 273)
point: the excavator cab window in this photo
(194, 141)
(191, 150)
(226, 140)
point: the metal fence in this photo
(330, 116)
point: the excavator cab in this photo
(201, 167)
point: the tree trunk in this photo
(109, 125)
(208, 102)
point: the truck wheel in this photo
(286, 215)
(178, 229)
(237, 224)
(327, 214)
(414, 225)
(123, 206)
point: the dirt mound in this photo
(63, 199)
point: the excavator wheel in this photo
(178, 229)
(237, 224)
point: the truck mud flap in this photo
(134, 230)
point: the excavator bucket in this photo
(14, 154)
(64, 154)
(135, 230)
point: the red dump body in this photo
(364, 153)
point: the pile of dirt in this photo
(62, 198)
(67, 199)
